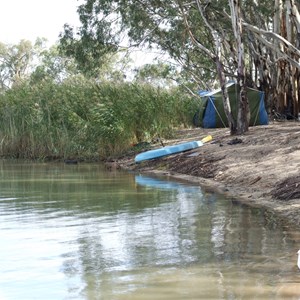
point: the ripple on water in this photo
(99, 236)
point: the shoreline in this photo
(248, 168)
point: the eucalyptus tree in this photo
(16, 61)
(243, 116)
(176, 27)
(111, 25)
(91, 49)
(273, 45)
(52, 66)
(159, 74)
(219, 39)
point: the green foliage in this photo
(53, 66)
(162, 24)
(17, 61)
(90, 51)
(175, 27)
(159, 74)
(129, 113)
(79, 118)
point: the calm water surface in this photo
(78, 232)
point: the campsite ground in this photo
(260, 168)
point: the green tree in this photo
(53, 66)
(176, 27)
(221, 39)
(90, 51)
(157, 74)
(16, 61)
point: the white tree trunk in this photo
(243, 105)
(293, 35)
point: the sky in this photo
(29, 19)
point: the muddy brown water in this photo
(80, 232)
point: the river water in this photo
(80, 232)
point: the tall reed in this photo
(80, 118)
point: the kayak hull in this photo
(168, 150)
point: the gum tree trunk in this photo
(225, 96)
(243, 105)
(293, 36)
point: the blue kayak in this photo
(168, 150)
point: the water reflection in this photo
(78, 232)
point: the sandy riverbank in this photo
(260, 168)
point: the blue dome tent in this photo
(211, 112)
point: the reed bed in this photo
(81, 118)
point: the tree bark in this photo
(293, 35)
(227, 108)
(243, 116)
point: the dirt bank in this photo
(261, 168)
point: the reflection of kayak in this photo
(168, 150)
(164, 184)
(156, 183)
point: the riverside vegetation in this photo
(80, 118)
